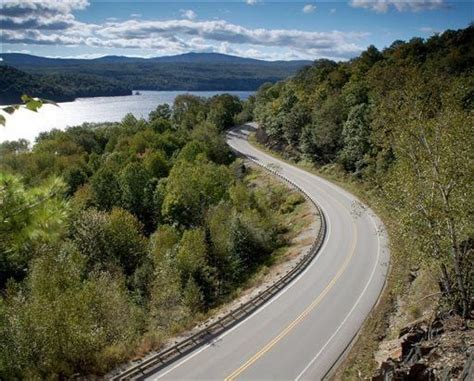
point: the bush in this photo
(66, 321)
(291, 202)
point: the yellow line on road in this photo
(301, 317)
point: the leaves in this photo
(29, 103)
(34, 104)
(11, 109)
(95, 279)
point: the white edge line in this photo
(353, 307)
(328, 224)
(345, 194)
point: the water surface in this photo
(26, 124)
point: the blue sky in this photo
(252, 28)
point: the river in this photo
(27, 124)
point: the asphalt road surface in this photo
(302, 331)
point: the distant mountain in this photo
(190, 71)
(203, 58)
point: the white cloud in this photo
(23, 51)
(220, 31)
(40, 7)
(252, 2)
(429, 30)
(188, 14)
(34, 14)
(136, 15)
(382, 6)
(309, 8)
(26, 24)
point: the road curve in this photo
(303, 330)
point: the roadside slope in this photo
(304, 329)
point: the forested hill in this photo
(57, 87)
(397, 125)
(116, 237)
(346, 112)
(191, 71)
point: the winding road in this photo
(302, 332)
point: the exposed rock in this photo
(442, 349)
(409, 340)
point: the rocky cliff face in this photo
(438, 349)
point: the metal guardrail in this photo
(189, 344)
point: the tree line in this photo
(209, 72)
(55, 86)
(399, 122)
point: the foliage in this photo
(65, 320)
(57, 87)
(222, 109)
(152, 226)
(60, 78)
(430, 185)
(29, 217)
(400, 121)
(192, 187)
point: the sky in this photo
(262, 29)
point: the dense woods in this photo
(398, 122)
(115, 236)
(65, 79)
(57, 87)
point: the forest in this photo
(55, 87)
(114, 237)
(191, 72)
(397, 126)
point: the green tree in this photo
(162, 111)
(163, 242)
(74, 178)
(431, 184)
(136, 198)
(221, 223)
(189, 111)
(29, 217)
(222, 109)
(156, 163)
(191, 259)
(106, 188)
(356, 139)
(167, 310)
(191, 188)
(110, 239)
(213, 142)
(66, 321)
(192, 295)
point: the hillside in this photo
(395, 127)
(191, 71)
(57, 87)
(116, 238)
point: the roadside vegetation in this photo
(114, 237)
(395, 127)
